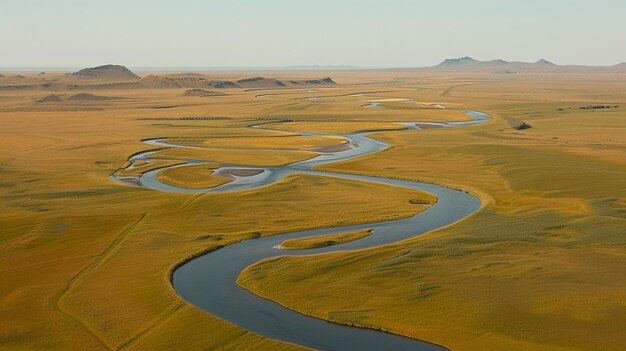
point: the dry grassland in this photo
(86, 260)
(539, 268)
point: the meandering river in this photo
(209, 282)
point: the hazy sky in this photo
(405, 33)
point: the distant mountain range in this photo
(498, 62)
(468, 64)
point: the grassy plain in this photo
(539, 268)
(86, 260)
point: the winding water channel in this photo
(209, 281)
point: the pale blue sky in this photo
(292, 32)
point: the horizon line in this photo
(337, 67)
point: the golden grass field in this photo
(195, 176)
(86, 261)
(322, 241)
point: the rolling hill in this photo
(202, 93)
(184, 81)
(260, 82)
(90, 97)
(50, 98)
(106, 72)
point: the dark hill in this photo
(324, 81)
(544, 62)
(202, 93)
(260, 82)
(106, 72)
(184, 81)
(50, 98)
(458, 61)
